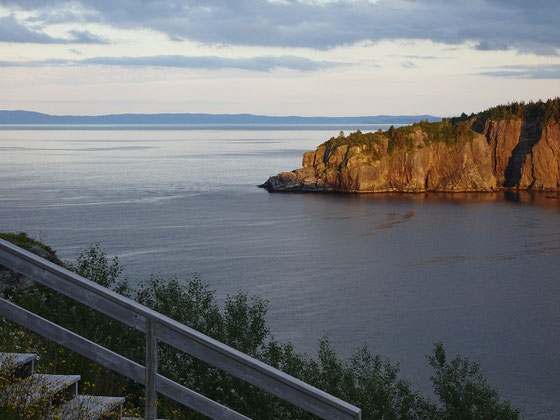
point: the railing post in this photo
(151, 369)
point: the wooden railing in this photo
(157, 327)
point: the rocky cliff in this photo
(515, 146)
(9, 278)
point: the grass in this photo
(23, 241)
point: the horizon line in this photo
(216, 114)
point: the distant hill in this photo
(27, 117)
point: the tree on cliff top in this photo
(542, 112)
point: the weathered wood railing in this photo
(157, 327)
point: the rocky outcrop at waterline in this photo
(513, 146)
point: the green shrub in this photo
(354, 139)
(463, 392)
(365, 379)
(402, 138)
(22, 240)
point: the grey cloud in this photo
(260, 64)
(545, 71)
(11, 30)
(490, 24)
(214, 62)
(85, 37)
(408, 65)
(35, 63)
(489, 45)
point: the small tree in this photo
(463, 392)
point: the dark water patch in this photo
(349, 217)
(390, 221)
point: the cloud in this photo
(544, 71)
(489, 24)
(408, 65)
(84, 37)
(424, 57)
(260, 64)
(11, 30)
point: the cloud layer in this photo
(262, 64)
(545, 71)
(11, 30)
(490, 24)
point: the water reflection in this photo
(519, 197)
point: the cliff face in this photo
(526, 155)
(489, 156)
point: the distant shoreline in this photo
(28, 117)
(248, 127)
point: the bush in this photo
(463, 392)
(366, 380)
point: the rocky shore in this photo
(490, 151)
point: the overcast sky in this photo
(277, 57)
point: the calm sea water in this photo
(479, 272)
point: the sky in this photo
(277, 57)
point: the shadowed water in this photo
(398, 272)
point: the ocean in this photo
(398, 272)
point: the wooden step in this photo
(24, 363)
(91, 407)
(38, 388)
(63, 387)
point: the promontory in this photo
(514, 146)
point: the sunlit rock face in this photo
(486, 155)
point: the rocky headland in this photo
(515, 146)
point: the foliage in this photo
(29, 397)
(22, 240)
(14, 395)
(434, 132)
(445, 131)
(541, 112)
(449, 130)
(354, 139)
(366, 380)
(83, 320)
(463, 392)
